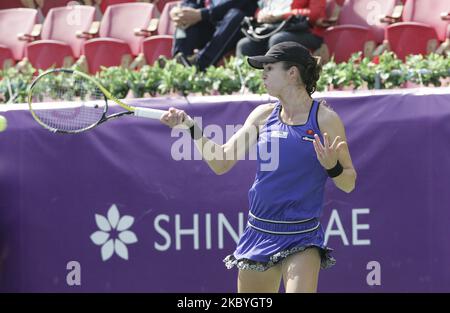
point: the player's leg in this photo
(254, 281)
(301, 271)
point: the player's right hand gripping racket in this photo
(68, 101)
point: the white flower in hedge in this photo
(121, 226)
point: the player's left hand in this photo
(328, 154)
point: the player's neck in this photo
(295, 102)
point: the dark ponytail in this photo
(309, 72)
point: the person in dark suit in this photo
(208, 29)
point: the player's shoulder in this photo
(260, 114)
(327, 117)
(264, 108)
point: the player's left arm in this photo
(334, 148)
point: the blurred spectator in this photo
(272, 11)
(208, 29)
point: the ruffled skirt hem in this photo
(230, 261)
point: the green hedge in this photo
(236, 76)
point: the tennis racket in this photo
(69, 102)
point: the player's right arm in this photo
(222, 158)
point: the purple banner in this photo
(111, 210)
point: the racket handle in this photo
(148, 113)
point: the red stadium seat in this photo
(166, 26)
(46, 5)
(343, 41)
(422, 12)
(105, 52)
(6, 57)
(12, 4)
(360, 21)
(411, 38)
(118, 29)
(160, 5)
(12, 23)
(367, 13)
(104, 4)
(156, 46)
(52, 53)
(59, 36)
(420, 21)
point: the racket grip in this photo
(148, 113)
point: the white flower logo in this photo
(120, 225)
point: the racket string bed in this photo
(71, 119)
(69, 101)
(86, 109)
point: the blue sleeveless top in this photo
(290, 182)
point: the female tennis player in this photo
(283, 237)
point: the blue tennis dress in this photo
(286, 198)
